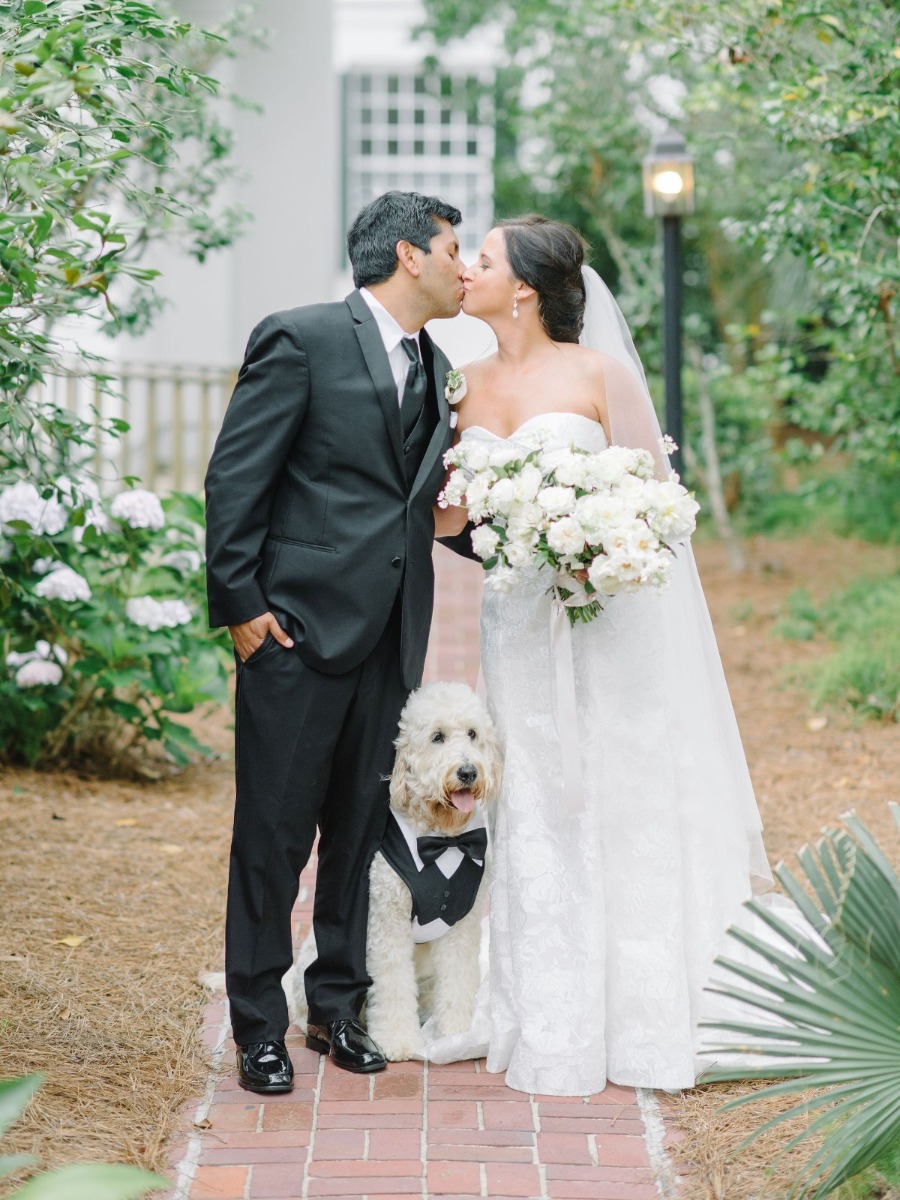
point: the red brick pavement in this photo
(453, 1132)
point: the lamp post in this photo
(669, 195)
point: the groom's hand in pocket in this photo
(250, 635)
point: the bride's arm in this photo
(449, 521)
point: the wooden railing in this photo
(173, 411)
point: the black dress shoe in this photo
(348, 1045)
(265, 1067)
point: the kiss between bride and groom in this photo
(606, 914)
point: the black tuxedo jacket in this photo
(309, 509)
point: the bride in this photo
(605, 916)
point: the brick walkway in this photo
(415, 1129)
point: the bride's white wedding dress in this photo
(604, 923)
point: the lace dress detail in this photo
(604, 924)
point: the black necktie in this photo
(473, 844)
(415, 389)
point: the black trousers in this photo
(311, 750)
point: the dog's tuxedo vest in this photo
(443, 891)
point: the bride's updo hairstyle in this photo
(548, 256)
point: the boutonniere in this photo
(456, 387)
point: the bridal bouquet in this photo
(602, 516)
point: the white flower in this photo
(472, 454)
(153, 614)
(556, 501)
(456, 387)
(566, 536)
(43, 565)
(602, 512)
(38, 672)
(502, 579)
(63, 583)
(573, 469)
(175, 612)
(502, 496)
(138, 508)
(503, 455)
(672, 511)
(454, 490)
(610, 465)
(42, 650)
(22, 502)
(517, 554)
(485, 541)
(476, 497)
(184, 561)
(527, 483)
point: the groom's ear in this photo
(409, 257)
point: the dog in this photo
(446, 776)
(427, 883)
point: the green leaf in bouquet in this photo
(491, 562)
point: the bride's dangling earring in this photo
(515, 308)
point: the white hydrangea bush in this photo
(103, 622)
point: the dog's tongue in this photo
(463, 801)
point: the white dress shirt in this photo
(391, 335)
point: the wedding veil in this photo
(692, 673)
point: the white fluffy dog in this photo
(447, 771)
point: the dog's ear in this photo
(398, 789)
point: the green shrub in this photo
(863, 669)
(102, 620)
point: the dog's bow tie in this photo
(473, 843)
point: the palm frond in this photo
(828, 1001)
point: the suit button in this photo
(406, 449)
(396, 562)
(443, 908)
(446, 894)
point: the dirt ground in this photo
(112, 894)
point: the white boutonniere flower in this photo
(456, 387)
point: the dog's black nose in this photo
(467, 775)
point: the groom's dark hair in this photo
(389, 219)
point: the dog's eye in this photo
(472, 734)
(437, 737)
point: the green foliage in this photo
(110, 139)
(113, 669)
(863, 670)
(791, 270)
(81, 1181)
(834, 996)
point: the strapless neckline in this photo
(531, 420)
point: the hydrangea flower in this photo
(23, 502)
(38, 672)
(154, 614)
(138, 508)
(184, 561)
(63, 583)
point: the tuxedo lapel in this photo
(439, 375)
(379, 368)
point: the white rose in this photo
(517, 554)
(502, 496)
(556, 501)
(503, 455)
(62, 583)
(485, 541)
(527, 483)
(608, 466)
(519, 530)
(672, 513)
(501, 579)
(573, 469)
(476, 496)
(138, 508)
(602, 512)
(566, 536)
(38, 672)
(476, 454)
(631, 488)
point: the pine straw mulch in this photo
(138, 871)
(112, 901)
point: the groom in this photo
(319, 502)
